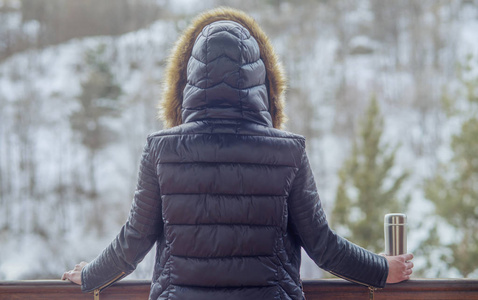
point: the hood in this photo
(226, 77)
(223, 66)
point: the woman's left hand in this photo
(75, 274)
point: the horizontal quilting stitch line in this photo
(239, 65)
(223, 82)
(205, 107)
(222, 224)
(231, 195)
(221, 107)
(216, 288)
(222, 257)
(238, 195)
(264, 135)
(225, 163)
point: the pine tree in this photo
(367, 191)
(98, 100)
(454, 188)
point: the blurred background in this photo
(385, 91)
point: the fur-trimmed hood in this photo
(176, 79)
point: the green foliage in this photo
(468, 91)
(454, 189)
(97, 100)
(456, 197)
(454, 192)
(367, 191)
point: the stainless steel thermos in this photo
(395, 226)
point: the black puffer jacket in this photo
(228, 199)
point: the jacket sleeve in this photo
(328, 250)
(137, 236)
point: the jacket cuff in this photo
(383, 280)
(99, 274)
(361, 266)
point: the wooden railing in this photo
(330, 289)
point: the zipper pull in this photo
(96, 294)
(371, 293)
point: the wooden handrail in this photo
(330, 289)
(420, 289)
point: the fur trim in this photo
(175, 77)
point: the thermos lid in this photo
(395, 219)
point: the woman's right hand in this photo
(75, 274)
(399, 267)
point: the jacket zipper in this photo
(370, 288)
(96, 292)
